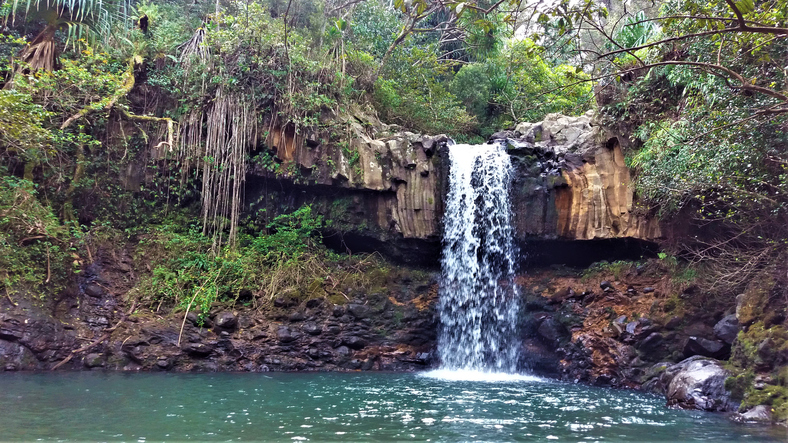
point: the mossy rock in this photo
(760, 348)
(774, 396)
(739, 384)
(755, 299)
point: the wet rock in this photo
(286, 335)
(631, 327)
(648, 290)
(354, 342)
(704, 347)
(652, 378)
(311, 328)
(226, 320)
(358, 311)
(761, 381)
(353, 364)
(297, 316)
(94, 290)
(758, 414)
(163, 363)
(727, 329)
(699, 383)
(199, 350)
(338, 311)
(651, 342)
(606, 286)
(93, 360)
(673, 323)
(551, 331)
(343, 351)
(193, 318)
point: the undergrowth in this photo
(289, 260)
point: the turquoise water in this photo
(90, 406)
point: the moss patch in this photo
(755, 299)
(759, 347)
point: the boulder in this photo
(705, 347)
(198, 350)
(94, 290)
(699, 383)
(651, 342)
(354, 342)
(226, 320)
(551, 331)
(727, 329)
(673, 323)
(358, 311)
(343, 351)
(194, 319)
(93, 360)
(311, 328)
(286, 335)
(296, 317)
(758, 414)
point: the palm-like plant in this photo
(95, 20)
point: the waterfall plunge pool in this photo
(432, 406)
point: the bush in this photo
(33, 247)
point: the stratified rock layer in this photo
(383, 189)
(573, 182)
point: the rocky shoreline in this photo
(574, 329)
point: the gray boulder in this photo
(727, 329)
(699, 383)
(705, 347)
(758, 414)
(286, 335)
(358, 311)
(226, 320)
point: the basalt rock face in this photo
(383, 189)
(379, 188)
(572, 182)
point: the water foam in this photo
(480, 376)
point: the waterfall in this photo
(478, 303)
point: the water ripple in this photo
(344, 407)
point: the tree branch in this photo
(692, 17)
(759, 30)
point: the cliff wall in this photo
(383, 188)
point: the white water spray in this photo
(478, 303)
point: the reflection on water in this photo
(343, 407)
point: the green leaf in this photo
(745, 6)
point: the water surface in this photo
(90, 406)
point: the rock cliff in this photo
(383, 188)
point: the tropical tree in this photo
(96, 20)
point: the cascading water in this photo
(478, 303)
